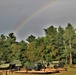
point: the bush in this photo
(26, 64)
(74, 61)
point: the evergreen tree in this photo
(69, 35)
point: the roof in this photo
(16, 62)
(55, 62)
(19, 64)
(4, 65)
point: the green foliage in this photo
(50, 31)
(57, 44)
(26, 64)
(30, 38)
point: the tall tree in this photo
(69, 35)
(23, 51)
(2, 41)
(39, 44)
(30, 38)
(59, 42)
(31, 52)
(50, 42)
(15, 51)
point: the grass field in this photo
(70, 71)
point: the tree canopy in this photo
(57, 44)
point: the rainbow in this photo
(52, 2)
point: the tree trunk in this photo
(66, 59)
(66, 53)
(70, 58)
(70, 53)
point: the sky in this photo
(30, 17)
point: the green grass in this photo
(70, 71)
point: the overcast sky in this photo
(15, 12)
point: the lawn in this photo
(70, 71)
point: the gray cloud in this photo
(14, 12)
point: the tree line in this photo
(57, 44)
